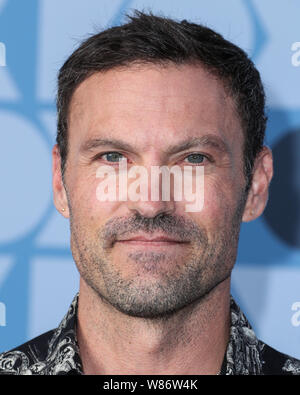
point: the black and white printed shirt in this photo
(56, 352)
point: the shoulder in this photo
(28, 358)
(277, 363)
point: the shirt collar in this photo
(63, 355)
(243, 354)
(244, 350)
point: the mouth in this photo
(152, 241)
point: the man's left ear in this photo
(259, 190)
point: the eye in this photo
(113, 157)
(196, 158)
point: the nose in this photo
(151, 209)
(157, 203)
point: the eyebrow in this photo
(93, 144)
(208, 140)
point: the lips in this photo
(156, 239)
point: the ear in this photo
(59, 192)
(259, 191)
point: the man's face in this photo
(152, 109)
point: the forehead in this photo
(150, 104)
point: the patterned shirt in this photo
(56, 352)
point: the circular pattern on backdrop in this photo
(25, 175)
(283, 209)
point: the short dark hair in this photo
(147, 38)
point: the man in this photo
(154, 277)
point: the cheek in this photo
(87, 205)
(219, 203)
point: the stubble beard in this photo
(208, 263)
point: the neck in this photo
(191, 341)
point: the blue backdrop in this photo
(37, 275)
